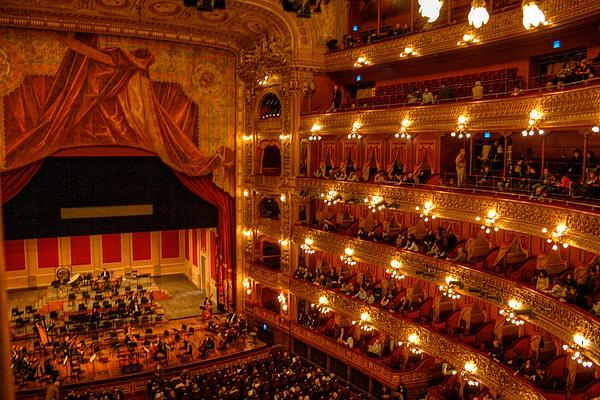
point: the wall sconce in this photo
(363, 323)
(412, 345)
(332, 197)
(283, 198)
(574, 350)
(347, 257)
(322, 306)
(533, 127)
(246, 285)
(284, 137)
(461, 131)
(512, 312)
(449, 289)
(314, 132)
(468, 39)
(489, 222)
(247, 232)
(354, 132)
(394, 271)
(284, 242)
(403, 133)
(306, 246)
(361, 62)
(246, 193)
(427, 211)
(247, 138)
(283, 301)
(409, 51)
(556, 237)
(532, 15)
(595, 128)
(264, 80)
(375, 203)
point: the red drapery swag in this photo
(103, 97)
(204, 188)
(12, 182)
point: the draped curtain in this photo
(12, 182)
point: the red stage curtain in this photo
(205, 189)
(12, 182)
(102, 97)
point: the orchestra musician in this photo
(105, 274)
(207, 313)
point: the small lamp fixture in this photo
(478, 16)
(556, 237)
(409, 51)
(361, 62)
(284, 242)
(283, 198)
(363, 323)
(533, 127)
(246, 285)
(247, 138)
(427, 211)
(449, 289)
(247, 232)
(354, 133)
(533, 16)
(332, 197)
(306, 246)
(347, 257)
(375, 203)
(595, 128)
(394, 271)
(284, 137)
(430, 9)
(264, 81)
(322, 306)
(314, 132)
(283, 301)
(512, 312)
(246, 193)
(489, 222)
(574, 350)
(468, 39)
(461, 127)
(403, 133)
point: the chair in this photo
(29, 309)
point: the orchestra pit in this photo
(299, 199)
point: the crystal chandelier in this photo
(511, 313)
(556, 237)
(461, 128)
(427, 211)
(478, 16)
(354, 132)
(533, 125)
(430, 9)
(532, 15)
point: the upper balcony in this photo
(501, 26)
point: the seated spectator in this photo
(461, 257)
(543, 281)
(445, 93)
(575, 165)
(361, 295)
(427, 97)
(375, 349)
(569, 281)
(497, 352)
(414, 96)
(352, 177)
(584, 70)
(477, 91)
(558, 290)
(486, 176)
(411, 244)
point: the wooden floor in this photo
(180, 298)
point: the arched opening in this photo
(270, 107)
(268, 208)
(271, 160)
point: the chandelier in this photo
(403, 133)
(412, 345)
(533, 127)
(489, 222)
(532, 15)
(449, 289)
(314, 132)
(468, 39)
(512, 312)
(575, 350)
(427, 212)
(361, 62)
(409, 51)
(246, 285)
(478, 16)
(363, 323)
(347, 257)
(375, 203)
(305, 247)
(354, 132)
(394, 271)
(430, 9)
(461, 128)
(467, 374)
(556, 237)
(332, 197)
(321, 307)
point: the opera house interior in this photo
(300, 199)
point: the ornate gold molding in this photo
(501, 26)
(417, 376)
(566, 109)
(562, 320)
(489, 372)
(268, 277)
(514, 215)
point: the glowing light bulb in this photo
(532, 15)
(430, 9)
(478, 16)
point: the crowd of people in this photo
(280, 376)
(105, 394)
(571, 72)
(353, 40)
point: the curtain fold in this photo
(12, 182)
(205, 189)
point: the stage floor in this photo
(180, 302)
